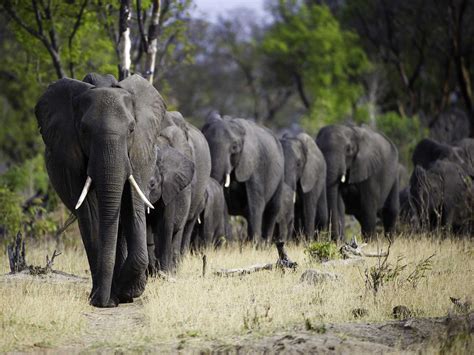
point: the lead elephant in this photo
(100, 156)
(362, 177)
(248, 160)
(305, 174)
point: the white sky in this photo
(214, 8)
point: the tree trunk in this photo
(152, 42)
(125, 43)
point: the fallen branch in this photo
(244, 271)
(354, 250)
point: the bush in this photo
(11, 214)
(322, 251)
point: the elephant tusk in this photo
(139, 192)
(294, 197)
(147, 210)
(343, 178)
(199, 220)
(227, 180)
(84, 192)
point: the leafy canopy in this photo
(306, 42)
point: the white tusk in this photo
(343, 178)
(84, 192)
(294, 197)
(227, 180)
(140, 193)
(148, 210)
(199, 220)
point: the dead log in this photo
(354, 250)
(16, 254)
(244, 271)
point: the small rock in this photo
(360, 312)
(401, 312)
(314, 277)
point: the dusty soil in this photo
(413, 335)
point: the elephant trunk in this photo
(336, 171)
(221, 167)
(109, 173)
(332, 198)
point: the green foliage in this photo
(11, 214)
(27, 178)
(404, 132)
(322, 251)
(308, 42)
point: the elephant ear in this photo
(101, 81)
(369, 156)
(58, 122)
(177, 171)
(149, 109)
(314, 159)
(248, 156)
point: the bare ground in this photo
(413, 335)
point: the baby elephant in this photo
(213, 225)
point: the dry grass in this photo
(214, 307)
(218, 307)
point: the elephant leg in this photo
(150, 243)
(367, 217)
(164, 237)
(309, 214)
(271, 213)
(341, 207)
(390, 210)
(186, 239)
(132, 279)
(254, 220)
(321, 221)
(120, 257)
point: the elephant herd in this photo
(147, 186)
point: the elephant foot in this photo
(125, 299)
(110, 303)
(283, 259)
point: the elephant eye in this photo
(234, 148)
(131, 127)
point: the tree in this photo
(324, 62)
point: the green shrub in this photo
(11, 214)
(322, 251)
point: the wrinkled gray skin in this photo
(443, 196)
(170, 193)
(305, 174)
(201, 156)
(253, 157)
(284, 228)
(214, 218)
(107, 133)
(179, 199)
(427, 151)
(362, 177)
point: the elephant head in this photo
(427, 151)
(101, 138)
(174, 170)
(302, 158)
(232, 148)
(352, 155)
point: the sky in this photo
(214, 8)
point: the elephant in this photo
(170, 192)
(200, 154)
(443, 196)
(284, 228)
(100, 156)
(362, 177)
(305, 174)
(214, 219)
(248, 160)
